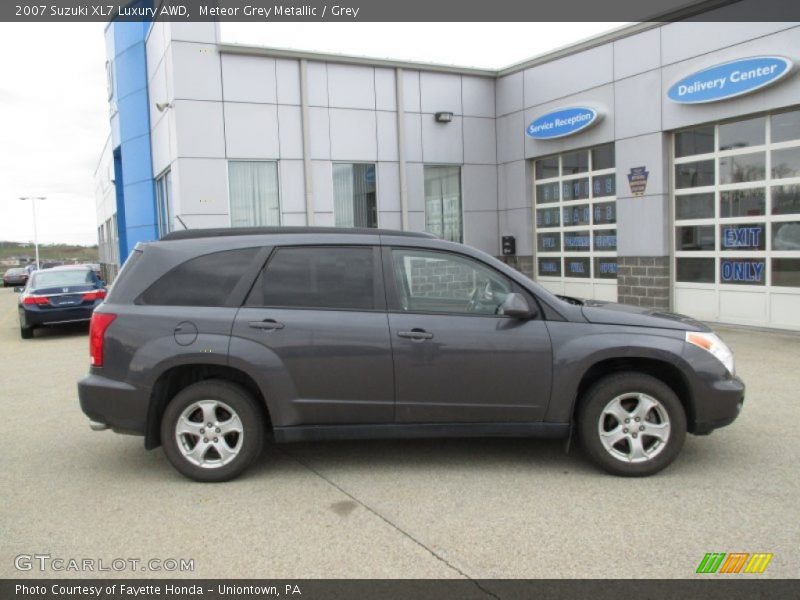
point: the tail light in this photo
(97, 336)
(35, 300)
(95, 295)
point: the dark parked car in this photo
(15, 277)
(58, 296)
(210, 338)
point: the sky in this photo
(54, 110)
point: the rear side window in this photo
(319, 277)
(206, 280)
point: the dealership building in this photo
(656, 165)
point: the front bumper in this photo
(721, 403)
(118, 405)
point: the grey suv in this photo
(210, 339)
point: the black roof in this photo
(188, 234)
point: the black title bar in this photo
(400, 10)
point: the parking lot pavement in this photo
(454, 508)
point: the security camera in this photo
(162, 106)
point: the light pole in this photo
(33, 200)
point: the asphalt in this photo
(419, 509)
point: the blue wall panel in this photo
(130, 127)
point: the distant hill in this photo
(62, 252)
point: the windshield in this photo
(47, 279)
(15, 271)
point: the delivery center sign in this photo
(730, 79)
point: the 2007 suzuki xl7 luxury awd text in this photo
(209, 339)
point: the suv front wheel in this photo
(212, 430)
(631, 424)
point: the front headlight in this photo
(711, 343)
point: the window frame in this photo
(378, 286)
(274, 161)
(163, 188)
(351, 164)
(460, 168)
(394, 305)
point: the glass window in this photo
(575, 162)
(743, 237)
(550, 267)
(164, 204)
(604, 185)
(694, 206)
(605, 213)
(786, 126)
(354, 200)
(577, 267)
(786, 236)
(447, 283)
(576, 215)
(742, 167)
(786, 163)
(548, 242)
(547, 192)
(742, 203)
(605, 239)
(546, 167)
(742, 271)
(577, 241)
(786, 272)
(742, 134)
(694, 237)
(605, 267)
(785, 199)
(694, 141)
(575, 189)
(603, 157)
(694, 174)
(443, 202)
(548, 217)
(254, 193)
(320, 277)
(694, 270)
(203, 281)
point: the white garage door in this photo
(737, 221)
(576, 223)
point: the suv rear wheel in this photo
(212, 430)
(631, 424)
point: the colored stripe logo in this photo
(734, 563)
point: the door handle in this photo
(268, 324)
(415, 334)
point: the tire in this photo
(221, 456)
(636, 448)
(26, 333)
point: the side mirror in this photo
(515, 305)
(18, 289)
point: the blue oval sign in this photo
(562, 122)
(729, 79)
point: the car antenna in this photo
(181, 222)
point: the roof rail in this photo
(189, 234)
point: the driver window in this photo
(447, 283)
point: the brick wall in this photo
(643, 281)
(441, 279)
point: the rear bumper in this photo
(118, 405)
(53, 316)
